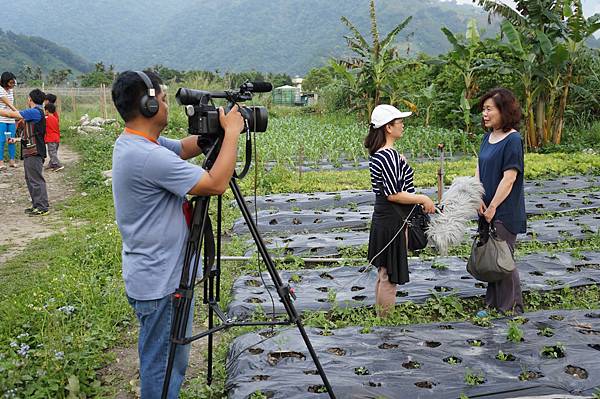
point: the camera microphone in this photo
(257, 87)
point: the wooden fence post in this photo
(74, 103)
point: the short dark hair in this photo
(127, 91)
(507, 104)
(7, 77)
(37, 96)
(51, 98)
(50, 107)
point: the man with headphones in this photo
(150, 179)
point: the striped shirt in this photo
(11, 97)
(390, 171)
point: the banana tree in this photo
(376, 61)
(466, 58)
(525, 67)
(554, 31)
(579, 29)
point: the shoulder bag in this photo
(491, 259)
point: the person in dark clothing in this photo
(500, 169)
(392, 181)
(33, 150)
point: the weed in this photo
(514, 334)
(472, 378)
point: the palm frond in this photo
(392, 35)
(357, 35)
(496, 7)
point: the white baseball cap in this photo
(385, 113)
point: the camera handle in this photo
(201, 232)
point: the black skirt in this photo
(385, 224)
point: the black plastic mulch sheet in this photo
(559, 354)
(354, 286)
(317, 244)
(336, 199)
(359, 216)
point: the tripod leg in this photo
(282, 290)
(183, 297)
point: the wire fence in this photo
(95, 101)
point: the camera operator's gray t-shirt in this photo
(149, 183)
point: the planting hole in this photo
(475, 342)
(296, 221)
(592, 315)
(260, 377)
(595, 346)
(263, 394)
(374, 384)
(400, 294)
(357, 288)
(359, 298)
(425, 384)
(480, 285)
(530, 375)
(252, 283)
(323, 289)
(267, 334)
(385, 345)
(576, 372)
(254, 300)
(256, 351)
(317, 221)
(557, 317)
(413, 364)
(446, 327)
(317, 389)
(466, 278)
(432, 344)
(452, 360)
(536, 273)
(326, 276)
(505, 357)
(273, 222)
(276, 357)
(311, 372)
(553, 352)
(361, 371)
(337, 351)
(440, 288)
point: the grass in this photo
(62, 301)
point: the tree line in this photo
(540, 53)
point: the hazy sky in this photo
(590, 7)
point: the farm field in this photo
(67, 328)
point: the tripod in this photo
(201, 231)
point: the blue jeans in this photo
(10, 128)
(156, 317)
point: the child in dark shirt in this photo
(52, 137)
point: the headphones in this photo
(148, 102)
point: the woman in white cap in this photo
(392, 181)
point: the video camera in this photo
(203, 116)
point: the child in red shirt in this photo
(52, 137)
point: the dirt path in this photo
(18, 229)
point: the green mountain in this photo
(17, 51)
(289, 36)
